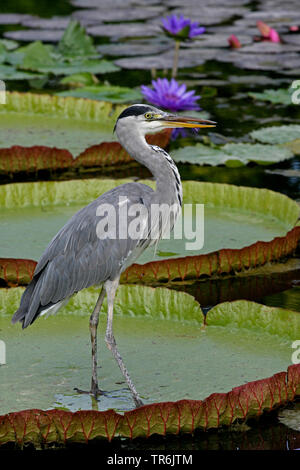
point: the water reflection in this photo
(120, 400)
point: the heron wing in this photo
(77, 257)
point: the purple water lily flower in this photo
(170, 95)
(181, 27)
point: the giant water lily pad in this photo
(243, 227)
(231, 154)
(48, 132)
(221, 373)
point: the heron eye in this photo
(148, 115)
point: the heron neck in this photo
(168, 182)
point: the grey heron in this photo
(79, 256)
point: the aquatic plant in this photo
(267, 32)
(234, 43)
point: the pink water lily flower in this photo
(234, 42)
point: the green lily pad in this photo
(291, 417)
(35, 55)
(9, 44)
(288, 136)
(232, 155)
(30, 120)
(74, 54)
(278, 96)
(242, 345)
(113, 94)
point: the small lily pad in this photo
(277, 96)
(221, 372)
(7, 72)
(232, 155)
(291, 417)
(288, 136)
(30, 120)
(119, 14)
(78, 66)
(134, 48)
(28, 35)
(75, 42)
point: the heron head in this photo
(146, 119)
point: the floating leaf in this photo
(46, 35)
(232, 155)
(289, 136)
(278, 96)
(277, 134)
(9, 44)
(291, 417)
(255, 338)
(79, 79)
(79, 66)
(36, 55)
(52, 130)
(43, 120)
(114, 94)
(263, 223)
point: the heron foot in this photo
(95, 392)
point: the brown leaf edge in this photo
(17, 272)
(42, 428)
(32, 159)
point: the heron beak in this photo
(186, 121)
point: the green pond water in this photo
(46, 361)
(26, 232)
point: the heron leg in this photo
(94, 320)
(111, 288)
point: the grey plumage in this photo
(76, 258)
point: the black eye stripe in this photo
(135, 110)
